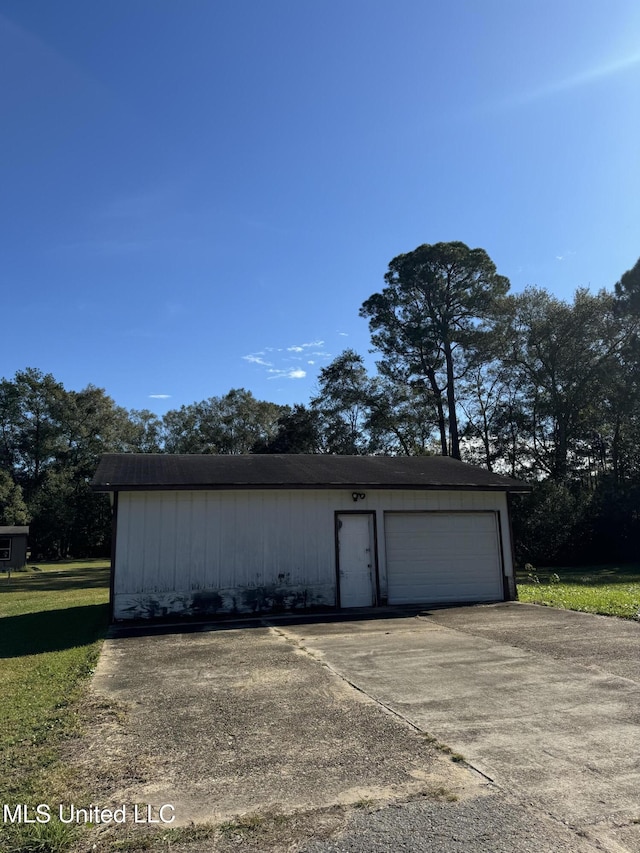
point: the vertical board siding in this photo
(245, 550)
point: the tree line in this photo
(525, 384)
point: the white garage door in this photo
(442, 556)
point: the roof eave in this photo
(194, 487)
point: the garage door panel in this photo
(437, 557)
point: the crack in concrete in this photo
(583, 830)
(387, 708)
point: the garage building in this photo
(204, 534)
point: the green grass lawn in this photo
(52, 621)
(612, 590)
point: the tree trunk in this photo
(451, 403)
(561, 450)
(442, 423)
(615, 453)
(487, 442)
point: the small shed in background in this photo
(13, 547)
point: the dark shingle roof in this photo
(154, 471)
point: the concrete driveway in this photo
(321, 725)
(543, 702)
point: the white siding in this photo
(244, 550)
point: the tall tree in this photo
(623, 401)
(432, 316)
(563, 357)
(13, 509)
(50, 443)
(31, 431)
(343, 404)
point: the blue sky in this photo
(199, 195)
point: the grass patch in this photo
(245, 825)
(52, 621)
(611, 590)
(165, 839)
(53, 837)
(444, 794)
(443, 748)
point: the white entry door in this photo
(356, 560)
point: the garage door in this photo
(442, 556)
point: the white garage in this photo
(443, 556)
(197, 536)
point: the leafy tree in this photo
(13, 509)
(562, 357)
(431, 318)
(623, 401)
(233, 423)
(549, 524)
(145, 432)
(181, 430)
(627, 291)
(342, 404)
(245, 420)
(30, 428)
(51, 441)
(9, 419)
(400, 419)
(613, 521)
(483, 396)
(298, 432)
(510, 427)
(89, 424)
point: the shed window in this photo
(5, 548)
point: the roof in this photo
(160, 471)
(12, 530)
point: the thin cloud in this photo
(159, 396)
(343, 334)
(256, 358)
(284, 366)
(302, 347)
(295, 373)
(564, 256)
